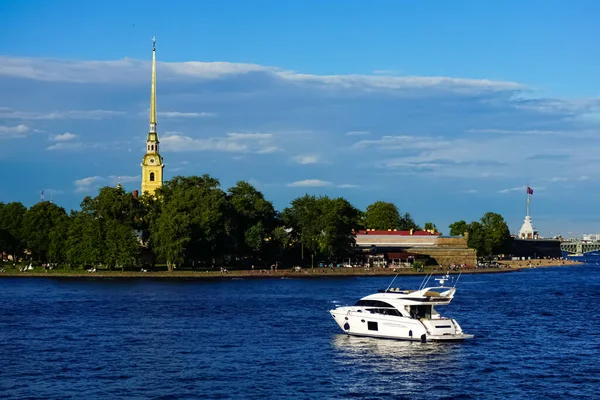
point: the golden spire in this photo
(153, 93)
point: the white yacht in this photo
(402, 314)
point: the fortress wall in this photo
(455, 242)
(447, 256)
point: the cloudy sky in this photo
(447, 109)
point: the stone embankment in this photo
(505, 266)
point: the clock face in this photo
(152, 161)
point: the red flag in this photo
(529, 190)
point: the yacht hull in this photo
(360, 323)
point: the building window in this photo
(152, 147)
(151, 176)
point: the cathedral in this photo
(152, 163)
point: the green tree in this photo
(476, 237)
(254, 237)
(322, 225)
(282, 239)
(251, 218)
(122, 245)
(339, 218)
(38, 222)
(74, 242)
(12, 240)
(458, 228)
(407, 223)
(303, 217)
(490, 235)
(112, 204)
(382, 215)
(430, 226)
(496, 233)
(92, 241)
(200, 207)
(58, 238)
(171, 236)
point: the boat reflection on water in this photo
(401, 367)
(394, 352)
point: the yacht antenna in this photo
(425, 280)
(388, 288)
(456, 281)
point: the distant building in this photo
(404, 245)
(591, 237)
(152, 163)
(528, 244)
(527, 230)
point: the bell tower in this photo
(152, 163)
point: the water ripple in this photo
(536, 337)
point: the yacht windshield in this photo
(379, 307)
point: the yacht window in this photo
(423, 311)
(386, 311)
(379, 307)
(372, 326)
(373, 303)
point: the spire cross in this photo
(153, 42)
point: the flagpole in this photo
(527, 198)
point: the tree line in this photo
(192, 222)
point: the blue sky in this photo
(445, 108)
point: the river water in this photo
(537, 335)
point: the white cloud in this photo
(180, 143)
(93, 183)
(309, 183)
(514, 131)
(358, 133)
(7, 113)
(250, 136)
(514, 189)
(114, 179)
(347, 186)
(411, 165)
(403, 142)
(65, 146)
(234, 142)
(307, 159)
(268, 150)
(65, 137)
(128, 71)
(87, 184)
(177, 114)
(19, 131)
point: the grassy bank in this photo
(507, 266)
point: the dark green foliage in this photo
(193, 223)
(191, 226)
(430, 226)
(322, 225)
(407, 223)
(12, 239)
(489, 236)
(458, 228)
(382, 215)
(38, 223)
(250, 219)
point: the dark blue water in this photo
(537, 335)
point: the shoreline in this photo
(507, 266)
